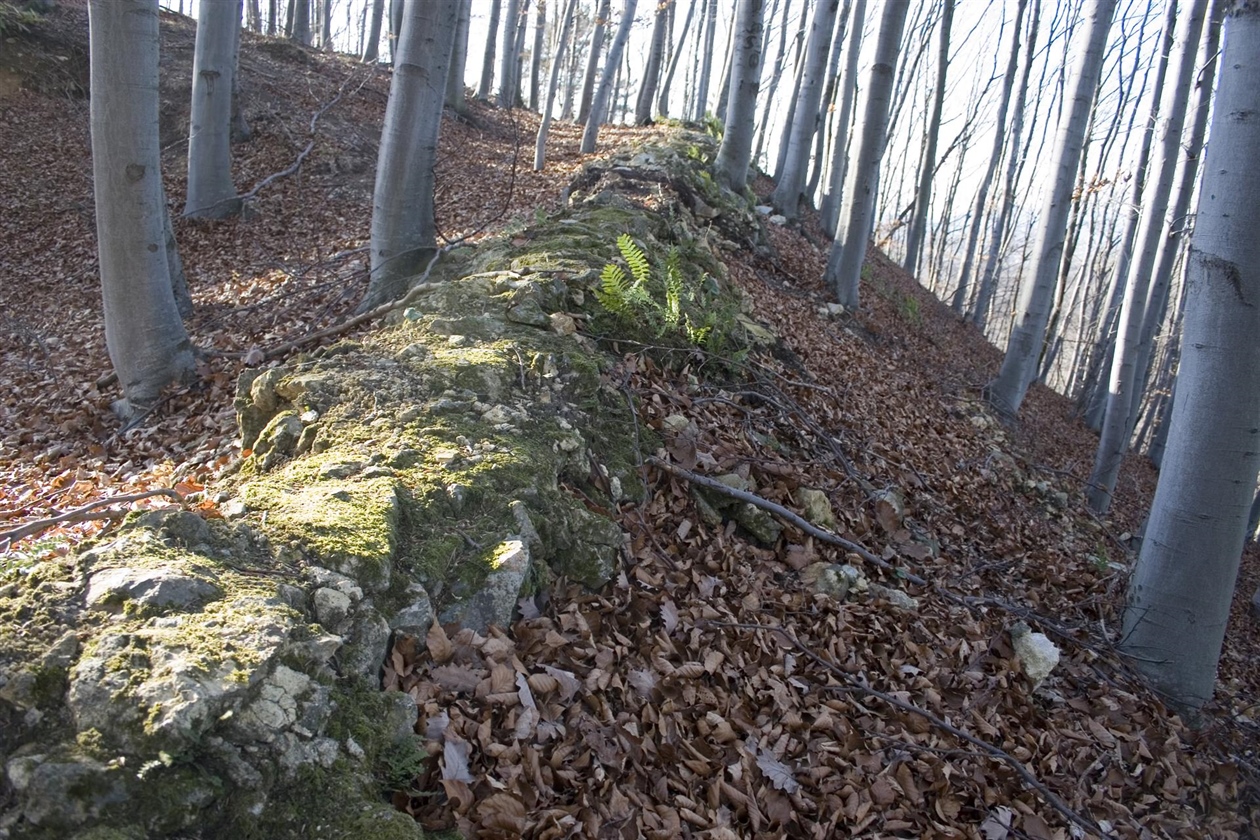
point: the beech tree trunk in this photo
(603, 96)
(1036, 295)
(456, 93)
(1117, 425)
(145, 338)
(404, 235)
(540, 145)
(302, 22)
(927, 165)
(1179, 595)
(535, 60)
(507, 55)
(211, 194)
(487, 61)
(787, 193)
(735, 152)
(848, 250)
(829, 211)
(652, 72)
(662, 99)
(706, 64)
(602, 13)
(372, 44)
(959, 301)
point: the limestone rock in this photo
(331, 607)
(1038, 656)
(894, 596)
(764, 527)
(818, 508)
(160, 588)
(495, 601)
(415, 618)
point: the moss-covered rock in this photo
(220, 677)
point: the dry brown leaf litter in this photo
(640, 711)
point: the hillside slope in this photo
(721, 689)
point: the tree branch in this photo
(80, 514)
(788, 516)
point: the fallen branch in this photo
(788, 516)
(372, 314)
(852, 685)
(80, 514)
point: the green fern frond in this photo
(613, 288)
(640, 268)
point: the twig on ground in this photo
(79, 514)
(852, 685)
(787, 516)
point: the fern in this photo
(640, 269)
(613, 289)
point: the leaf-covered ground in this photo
(712, 690)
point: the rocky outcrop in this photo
(214, 677)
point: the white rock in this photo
(1038, 656)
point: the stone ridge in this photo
(219, 677)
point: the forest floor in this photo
(720, 694)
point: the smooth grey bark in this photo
(776, 72)
(211, 194)
(145, 338)
(603, 96)
(662, 99)
(985, 289)
(540, 145)
(487, 61)
(798, 74)
(602, 13)
(518, 65)
(1179, 213)
(456, 93)
(1179, 595)
(1117, 424)
(535, 60)
(404, 234)
(735, 153)
(848, 250)
(829, 210)
(787, 192)
(1036, 295)
(508, 54)
(302, 22)
(652, 72)
(959, 301)
(828, 101)
(372, 44)
(706, 64)
(927, 165)
(175, 265)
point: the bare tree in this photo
(211, 194)
(143, 332)
(927, 162)
(535, 60)
(404, 235)
(662, 99)
(1114, 440)
(787, 193)
(735, 152)
(544, 125)
(1023, 349)
(602, 14)
(1180, 592)
(372, 43)
(706, 64)
(829, 211)
(487, 61)
(848, 251)
(603, 96)
(456, 93)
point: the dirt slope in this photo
(680, 724)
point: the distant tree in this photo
(787, 193)
(857, 215)
(652, 72)
(829, 207)
(143, 332)
(487, 61)
(735, 152)
(603, 96)
(508, 54)
(372, 43)
(705, 58)
(404, 234)
(301, 30)
(544, 125)
(927, 164)
(1117, 425)
(602, 12)
(662, 96)
(456, 94)
(1179, 595)
(535, 60)
(1036, 294)
(211, 194)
